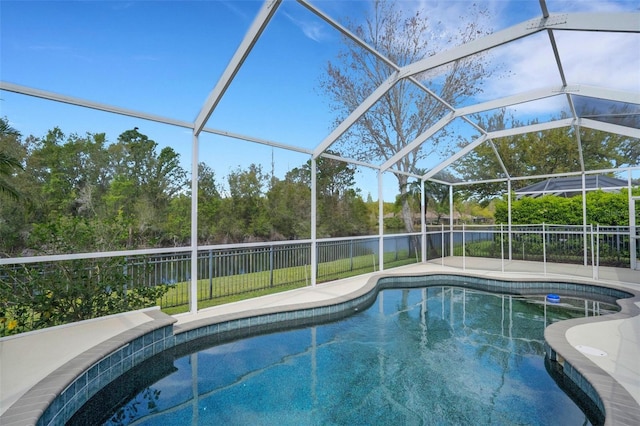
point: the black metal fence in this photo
(244, 270)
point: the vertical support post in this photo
(395, 242)
(633, 242)
(380, 223)
(210, 274)
(423, 224)
(442, 243)
(544, 247)
(584, 220)
(596, 263)
(451, 218)
(271, 265)
(464, 248)
(193, 293)
(314, 220)
(502, 246)
(509, 219)
(351, 255)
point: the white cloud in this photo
(558, 6)
(601, 59)
(609, 60)
(315, 30)
(530, 65)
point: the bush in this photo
(603, 208)
(44, 295)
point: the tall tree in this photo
(9, 163)
(540, 153)
(243, 214)
(14, 199)
(406, 110)
(436, 195)
(209, 201)
(289, 206)
(144, 183)
(72, 172)
(341, 210)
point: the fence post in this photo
(210, 274)
(125, 272)
(395, 242)
(544, 248)
(271, 265)
(317, 264)
(442, 243)
(351, 255)
(502, 245)
(464, 248)
(595, 264)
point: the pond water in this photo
(436, 355)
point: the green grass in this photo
(232, 288)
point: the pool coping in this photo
(608, 393)
(32, 408)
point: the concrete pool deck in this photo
(27, 361)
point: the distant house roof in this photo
(571, 186)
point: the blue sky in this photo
(164, 57)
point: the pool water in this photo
(436, 355)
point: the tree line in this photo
(72, 193)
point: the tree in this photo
(436, 195)
(8, 163)
(14, 199)
(127, 184)
(71, 173)
(209, 201)
(406, 110)
(143, 185)
(341, 210)
(243, 215)
(547, 152)
(289, 205)
(178, 226)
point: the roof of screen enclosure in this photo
(591, 106)
(572, 185)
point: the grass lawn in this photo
(221, 290)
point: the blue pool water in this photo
(437, 355)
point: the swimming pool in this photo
(440, 354)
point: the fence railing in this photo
(610, 246)
(229, 272)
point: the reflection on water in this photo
(437, 355)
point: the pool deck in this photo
(30, 359)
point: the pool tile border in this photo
(55, 399)
(607, 393)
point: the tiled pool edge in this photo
(609, 395)
(57, 397)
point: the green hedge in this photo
(603, 208)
